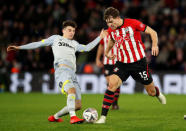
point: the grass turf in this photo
(29, 112)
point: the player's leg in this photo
(142, 74)
(70, 108)
(116, 95)
(64, 110)
(61, 80)
(115, 105)
(108, 71)
(72, 105)
(74, 119)
(114, 83)
(153, 90)
(64, 78)
(71, 97)
(78, 93)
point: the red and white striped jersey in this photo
(113, 51)
(127, 38)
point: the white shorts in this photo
(66, 79)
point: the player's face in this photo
(112, 22)
(69, 32)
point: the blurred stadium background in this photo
(24, 21)
(27, 21)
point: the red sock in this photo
(116, 96)
(107, 101)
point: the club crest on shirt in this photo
(116, 69)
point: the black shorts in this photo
(108, 69)
(138, 70)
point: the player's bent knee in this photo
(71, 91)
(112, 86)
(114, 82)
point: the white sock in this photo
(71, 104)
(62, 112)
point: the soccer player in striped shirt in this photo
(125, 34)
(64, 49)
(108, 65)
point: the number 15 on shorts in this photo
(144, 75)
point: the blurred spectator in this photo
(26, 21)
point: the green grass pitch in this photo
(29, 112)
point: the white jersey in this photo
(63, 49)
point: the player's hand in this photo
(12, 47)
(155, 50)
(103, 33)
(99, 63)
(110, 56)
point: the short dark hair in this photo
(111, 11)
(69, 23)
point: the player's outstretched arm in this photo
(33, 45)
(154, 37)
(91, 45)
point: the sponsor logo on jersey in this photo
(65, 44)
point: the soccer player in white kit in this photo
(64, 48)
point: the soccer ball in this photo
(90, 115)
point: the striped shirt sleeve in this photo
(139, 25)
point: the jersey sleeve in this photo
(49, 41)
(89, 46)
(45, 42)
(139, 25)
